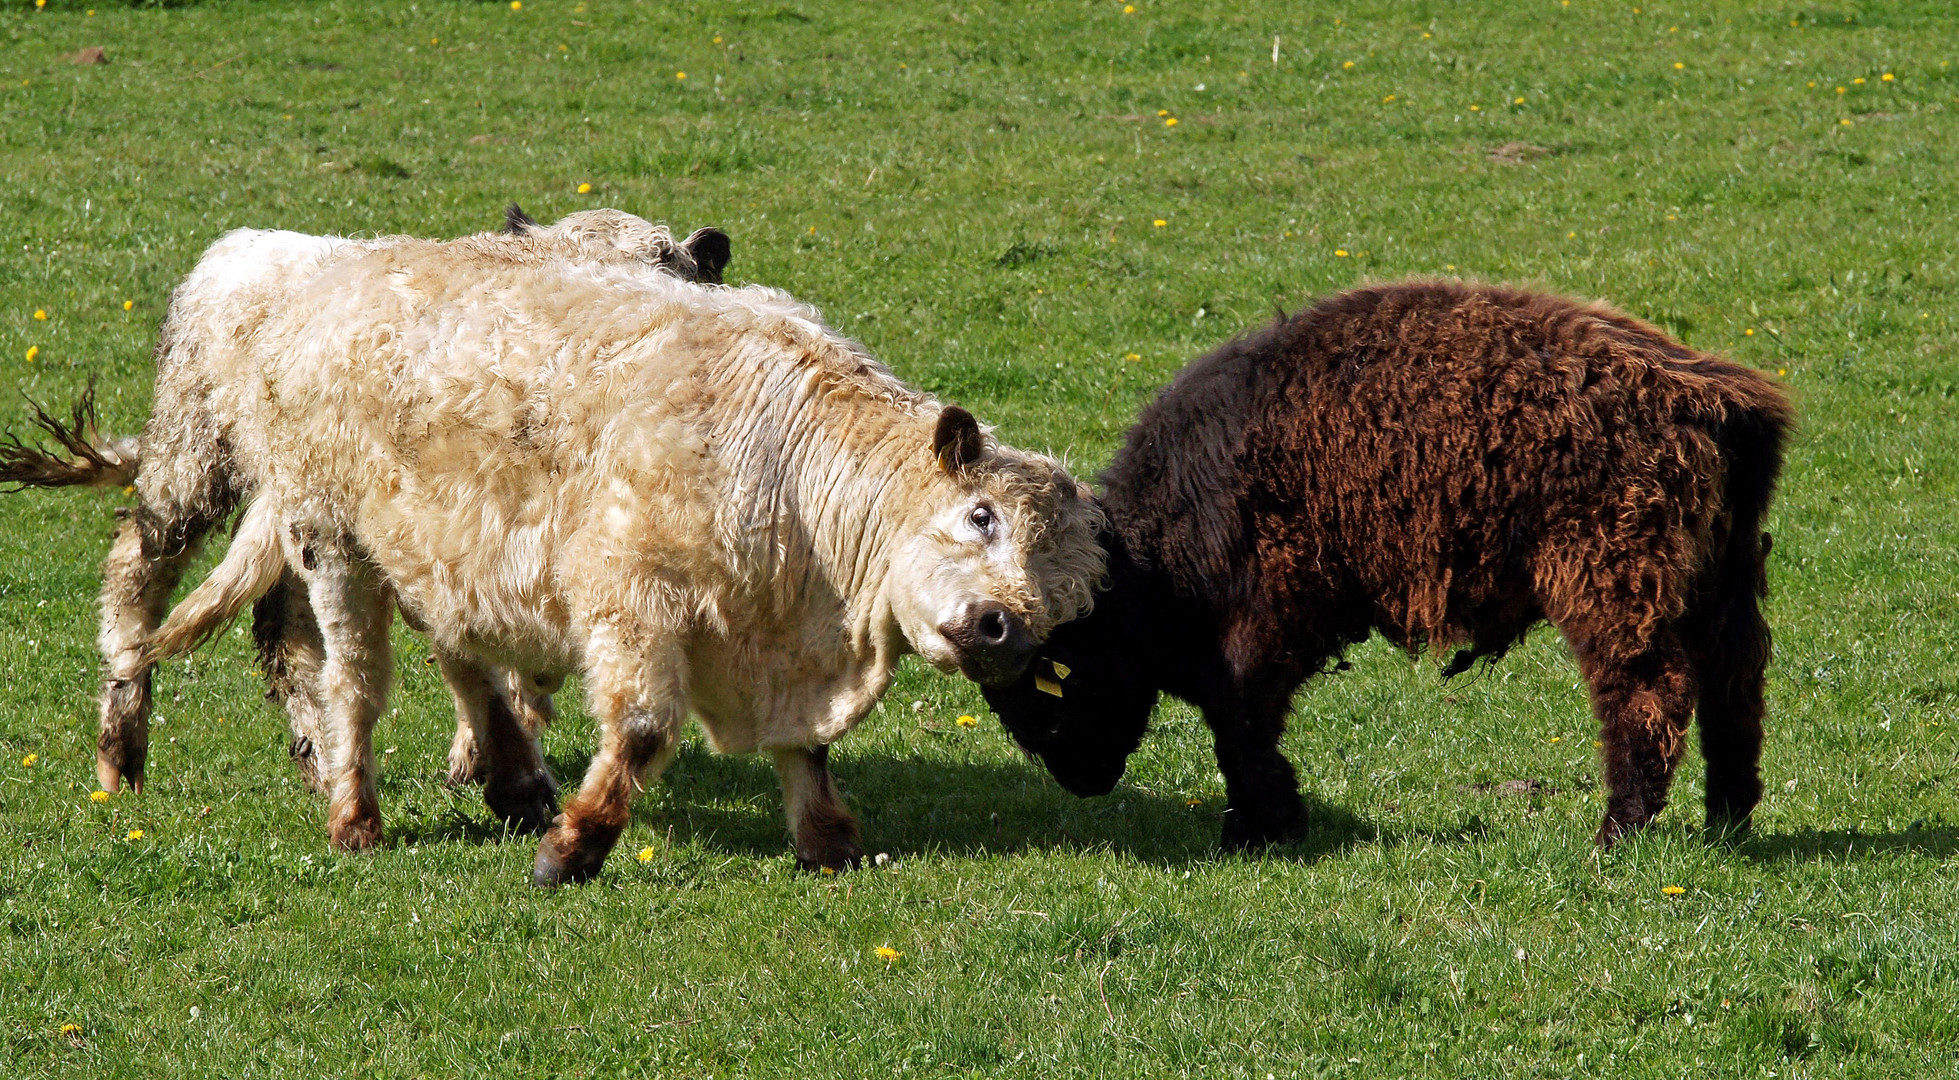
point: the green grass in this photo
(971, 189)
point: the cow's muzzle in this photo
(994, 644)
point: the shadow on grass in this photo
(732, 803)
(1842, 845)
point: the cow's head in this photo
(1083, 703)
(1002, 549)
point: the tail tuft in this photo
(92, 459)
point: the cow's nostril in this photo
(993, 627)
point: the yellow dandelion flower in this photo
(1812, 84)
(1170, 122)
(1451, 266)
(1843, 90)
(1557, 739)
(829, 871)
(584, 189)
(1519, 101)
(41, 314)
(563, 47)
(1346, 65)
(888, 954)
(1845, 121)
(1387, 99)
(1571, 236)
(1339, 253)
(69, 1031)
(1163, 112)
(1888, 77)
(135, 834)
(1678, 66)
(29, 761)
(1750, 331)
(679, 74)
(812, 230)
(967, 721)
(1475, 108)
(1674, 890)
(516, 5)
(98, 796)
(32, 352)
(1782, 372)
(1193, 802)
(645, 855)
(1132, 357)
(1129, 9)
(39, 4)
(1159, 223)
(717, 39)
(432, 41)
(1426, 34)
(127, 304)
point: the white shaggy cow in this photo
(700, 498)
(237, 284)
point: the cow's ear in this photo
(710, 249)
(516, 222)
(957, 441)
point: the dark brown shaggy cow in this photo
(1448, 464)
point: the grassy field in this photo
(1038, 211)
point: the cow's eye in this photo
(982, 519)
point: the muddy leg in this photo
(640, 702)
(516, 784)
(144, 564)
(824, 830)
(354, 609)
(290, 654)
(1643, 698)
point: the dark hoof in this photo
(528, 803)
(567, 856)
(356, 834)
(1244, 832)
(1615, 829)
(835, 857)
(1729, 828)
(306, 758)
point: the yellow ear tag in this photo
(1061, 670)
(1046, 685)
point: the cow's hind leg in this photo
(146, 560)
(1643, 695)
(528, 697)
(640, 700)
(517, 786)
(824, 830)
(354, 608)
(291, 654)
(1728, 643)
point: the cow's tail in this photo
(1728, 639)
(86, 457)
(250, 568)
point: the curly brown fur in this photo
(1447, 464)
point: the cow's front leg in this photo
(825, 832)
(354, 608)
(640, 706)
(1261, 788)
(517, 786)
